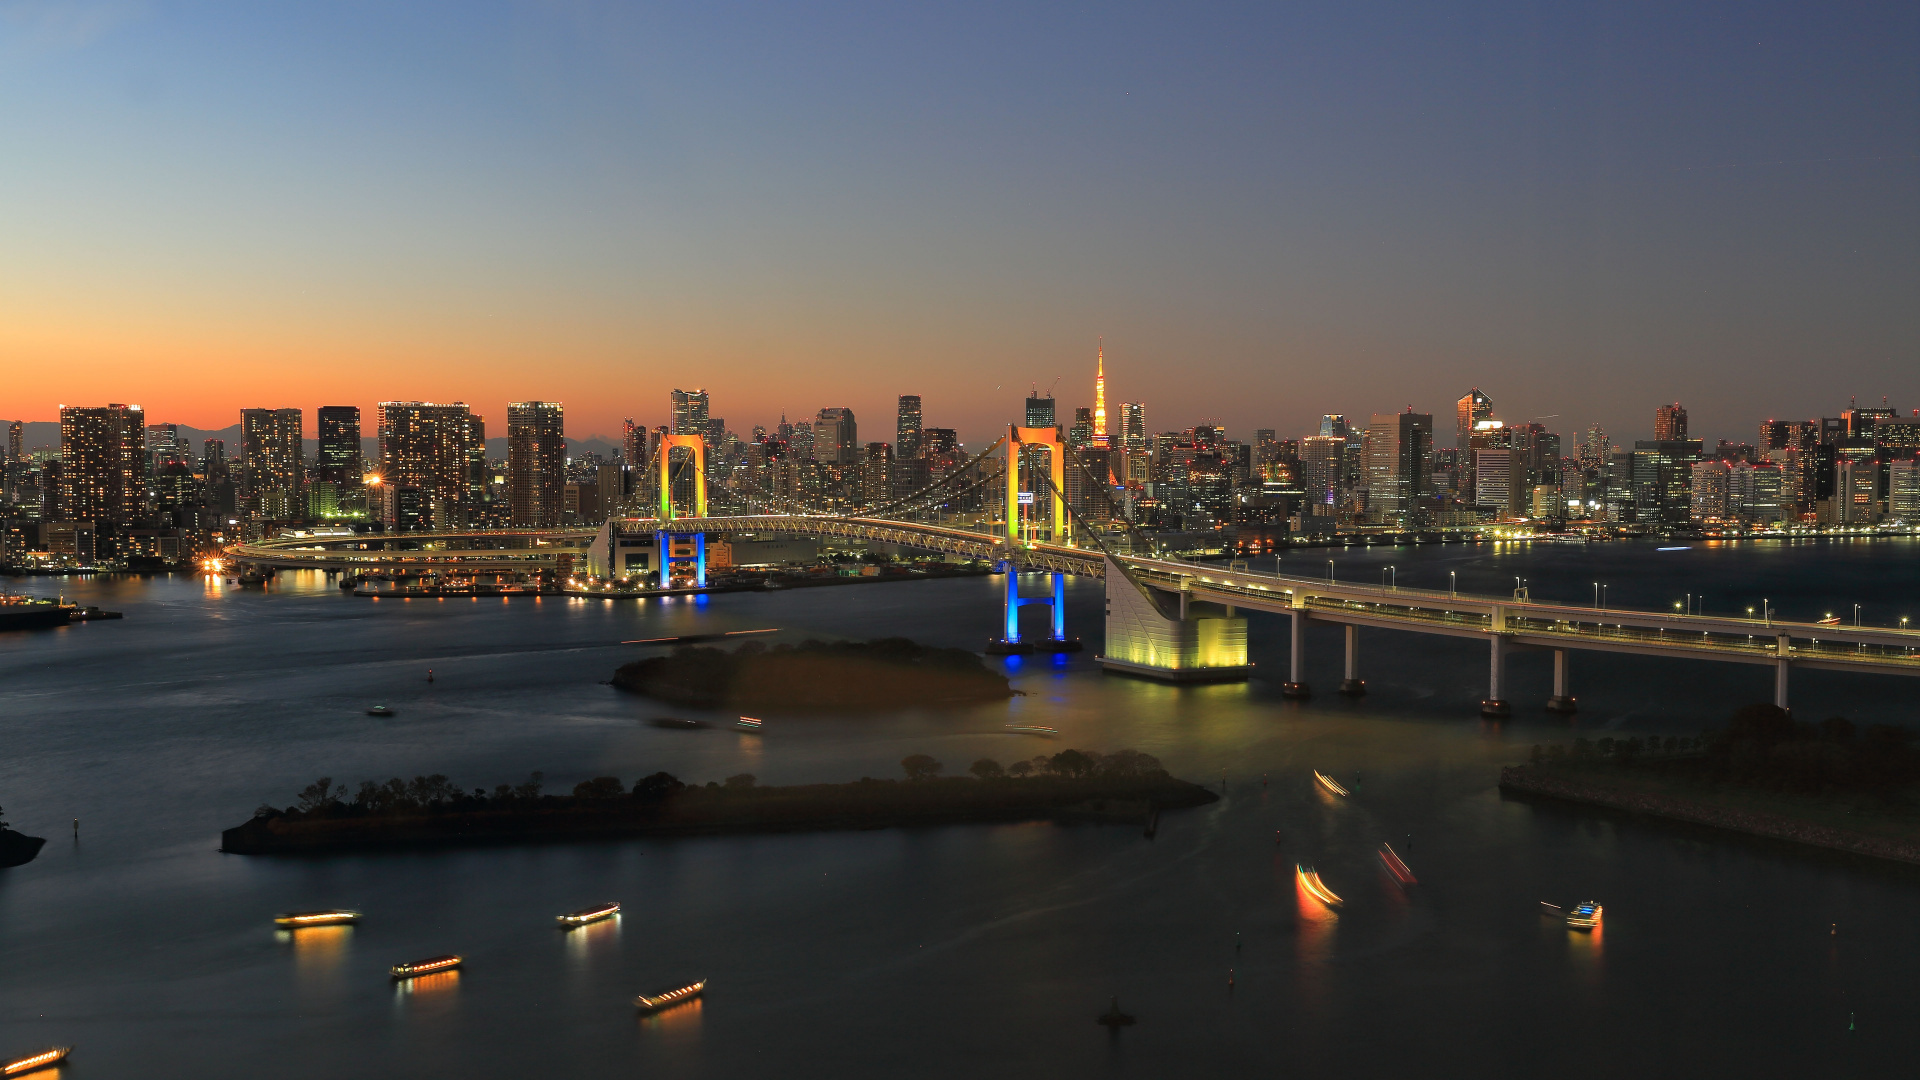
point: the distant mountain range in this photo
(47, 433)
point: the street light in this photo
(1453, 583)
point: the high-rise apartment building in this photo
(836, 437)
(1670, 423)
(1757, 493)
(1712, 486)
(16, 441)
(1398, 451)
(339, 445)
(1472, 408)
(1903, 490)
(689, 412)
(1040, 412)
(1856, 490)
(536, 463)
(907, 431)
(273, 462)
(1323, 467)
(426, 463)
(102, 470)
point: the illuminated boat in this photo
(294, 920)
(1032, 729)
(51, 1056)
(1395, 867)
(1329, 782)
(587, 915)
(1310, 881)
(656, 1002)
(379, 710)
(425, 967)
(748, 723)
(1584, 916)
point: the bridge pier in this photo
(1056, 599)
(1561, 701)
(1146, 636)
(1296, 685)
(1494, 706)
(1781, 649)
(1353, 685)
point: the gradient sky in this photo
(1269, 211)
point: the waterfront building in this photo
(1470, 410)
(1500, 481)
(1670, 423)
(688, 409)
(537, 464)
(1756, 493)
(272, 462)
(1661, 479)
(906, 432)
(1856, 490)
(1903, 491)
(1711, 486)
(102, 471)
(427, 450)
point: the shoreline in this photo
(1543, 782)
(709, 811)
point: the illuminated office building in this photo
(907, 431)
(1468, 411)
(689, 412)
(1670, 423)
(339, 445)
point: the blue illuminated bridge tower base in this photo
(1056, 599)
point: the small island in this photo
(816, 675)
(1124, 787)
(1827, 784)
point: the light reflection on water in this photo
(440, 985)
(584, 942)
(682, 1019)
(318, 950)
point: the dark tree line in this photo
(1068, 764)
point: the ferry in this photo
(1584, 916)
(294, 920)
(379, 710)
(656, 1002)
(1329, 783)
(1310, 881)
(587, 915)
(1032, 729)
(748, 723)
(428, 966)
(1395, 867)
(52, 1055)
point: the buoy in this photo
(429, 674)
(1236, 941)
(76, 827)
(1229, 978)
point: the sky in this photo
(1264, 211)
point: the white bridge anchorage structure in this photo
(1165, 618)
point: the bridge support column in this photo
(1780, 672)
(1147, 637)
(1296, 686)
(1353, 685)
(1010, 644)
(665, 544)
(1561, 701)
(1495, 706)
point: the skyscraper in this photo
(907, 432)
(102, 469)
(689, 411)
(16, 441)
(1323, 463)
(275, 466)
(426, 456)
(1100, 441)
(836, 437)
(1080, 435)
(1040, 411)
(1669, 423)
(339, 431)
(1472, 408)
(1399, 446)
(536, 463)
(1133, 426)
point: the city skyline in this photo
(1580, 206)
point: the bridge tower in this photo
(670, 551)
(1060, 528)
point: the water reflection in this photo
(437, 986)
(585, 941)
(317, 949)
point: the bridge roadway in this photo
(1506, 622)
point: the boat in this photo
(1583, 916)
(1032, 729)
(748, 723)
(677, 722)
(1310, 881)
(656, 1002)
(1397, 868)
(586, 915)
(294, 920)
(1329, 783)
(412, 968)
(52, 1055)
(379, 710)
